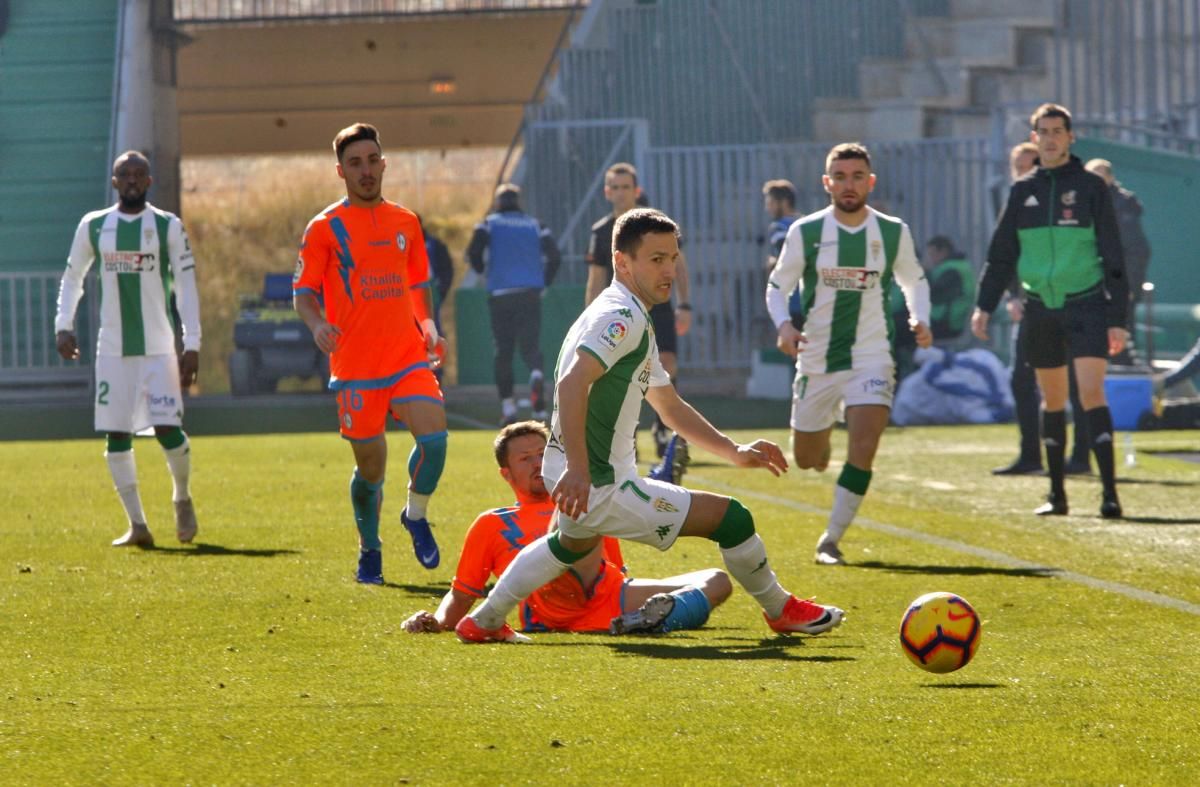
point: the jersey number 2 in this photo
(102, 393)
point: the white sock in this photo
(509, 406)
(417, 505)
(747, 563)
(123, 469)
(179, 462)
(534, 566)
(845, 508)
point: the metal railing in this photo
(1130, 63)
(715, 193)
(213, 11)
(28, 355)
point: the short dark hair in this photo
(623, 168)
(355, 133)
(636, 223)
(508, 197)
(512, 432)
(137, 154)
(941, 243)
(780, 189)
(1050, 111)
(847, 150)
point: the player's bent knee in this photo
(562, 553)
(735, 527)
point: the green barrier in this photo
(476, 350)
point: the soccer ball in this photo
(940, 632)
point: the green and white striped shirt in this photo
(615, 330)
(141, 257)
(845, 274)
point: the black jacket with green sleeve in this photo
(1058, 233)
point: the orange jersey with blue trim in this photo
(368, 267)
(495, 538)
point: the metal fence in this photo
(715, 193)
(209, 11)
(1134, 63)
(28, 356)
(711, 72)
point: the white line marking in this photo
(1121, 588)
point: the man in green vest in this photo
(951, 287)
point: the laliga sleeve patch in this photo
(614, 333)
(299, 270)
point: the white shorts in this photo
(817, 399)
(633, 508)
(137, 392)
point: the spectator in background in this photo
(779, 201)
(1133, 238)
(951, 287)
(521, 259)
(441, 271)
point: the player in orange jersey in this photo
(596, 595)
(362, 288)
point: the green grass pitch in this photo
(253, 658)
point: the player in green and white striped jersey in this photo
(608, 365)
(143, 253)
(845, 258)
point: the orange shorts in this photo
(566, 605)
(363, 412)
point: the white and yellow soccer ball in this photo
(940, 632)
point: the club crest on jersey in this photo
(148, 234)
(1068, 197)
(876, 248)
(614, 333)
(401, 241)
(849, 278)
(664, 506)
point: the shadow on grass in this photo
(902, 568)
(1121, 481)
(1159, 520)
(767, 649)
(422, 590)
(962, 686)
(207, 550)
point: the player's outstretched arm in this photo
(697, 430)
(455, 605)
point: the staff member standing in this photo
(1059, 231)
(522, 258)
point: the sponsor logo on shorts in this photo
(877, 385)
(347, 421)
(614, 333)
(849, 278)
(166, 400)
(664, 506)
(663, 532)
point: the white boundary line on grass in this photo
(1121, 588)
